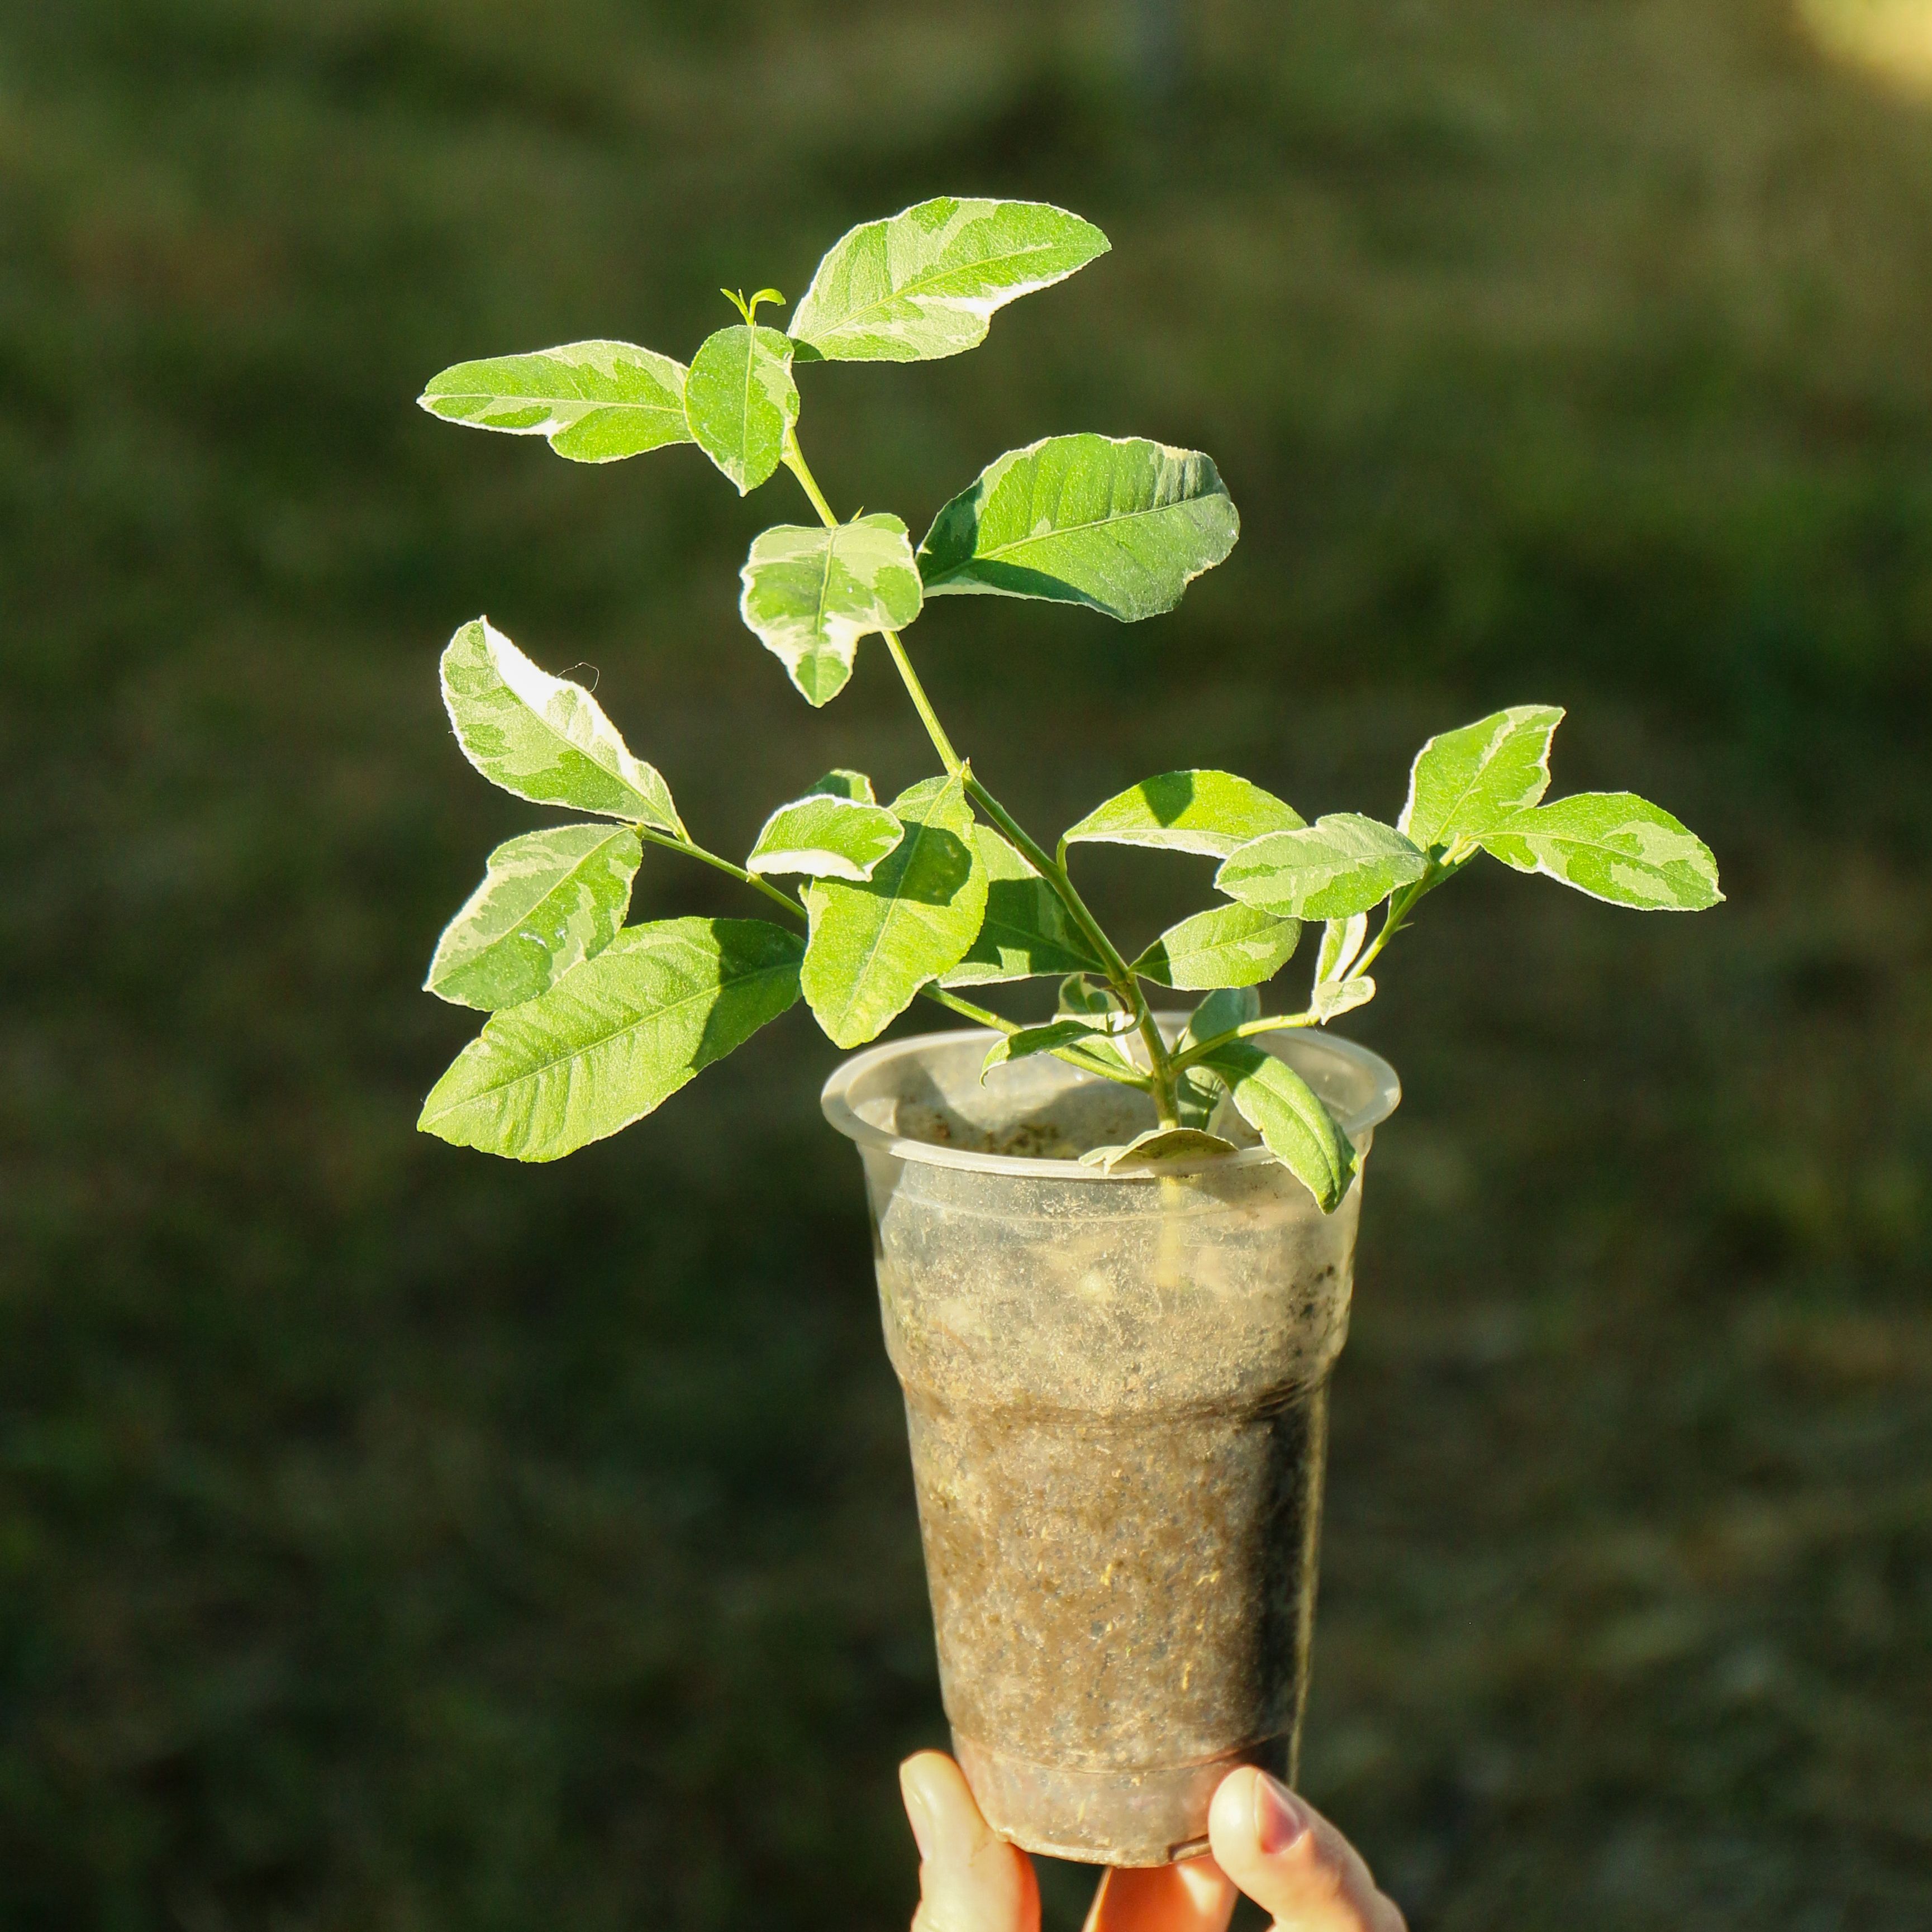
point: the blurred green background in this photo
(392, 1538)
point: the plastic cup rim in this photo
(839, 1111)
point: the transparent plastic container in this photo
(1115, 1389)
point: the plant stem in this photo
(1161, 1077)
(923, 704)
(692, 849)
(1400, 907)
(1075, 1055)
(1119, 974)
(794, 460)
(1267, 1023)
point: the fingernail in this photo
(1279, 1818)
(917, 1814)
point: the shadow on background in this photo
(390, 1537)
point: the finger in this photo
(1195, 1896)
(1292, 1862)
(970, 1879)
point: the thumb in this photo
(1292, 1862)
(970, 1879)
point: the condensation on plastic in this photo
(1115, 1389)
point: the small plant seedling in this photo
(593, 1023)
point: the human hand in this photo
(1266, 1842)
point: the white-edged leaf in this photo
(811, 594)
(1294, 1127)
(841, 784)
(595, 401)
(826, 837)
(1027, 931)
(1159, 1146)
(1123, 526)
(1465, 782)
(740, 401)
(1225, 946)
(874, 944)
(1047, 1038)
(614, 1037)
(1342, 942)
(1331, 998)
(548, 900)
(1213, 813)
(543, 738)
(1615, 846)
(924, 282)
(1340, 865)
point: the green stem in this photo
(1267, 1023)
(1119, 974)
(1400, 907)
(1161, 1081)
(692, 849)
(1075, 1055)
(794, 460)
(923, 704)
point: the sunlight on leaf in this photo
(543, 738)
(548, 900)
(595, 401)
(925, 283)
(614, 1037)
(1122, 526)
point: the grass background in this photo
(391, 1539)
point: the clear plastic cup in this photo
(1116, 1391)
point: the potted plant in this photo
(1114, 1244)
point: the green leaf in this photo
(595, 401)
(1294, 1127)
(614, 1037)
(547, 901)
(1122, 526)
(1614, 846)
(1210, 812)
(1333, 998)
(740, 401)
(873, 945)
(1341, 864)
(826, 837)
(543, 738)
(1158, 1146)
(1225, 946)
(1048, 1038)
(1221, 1012)
(1198, 1090)
(1464, 782)
(925, 283)
(811, 595)
(1342, 941)
(1081, 993)
(1027, 931)
(842, 783)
